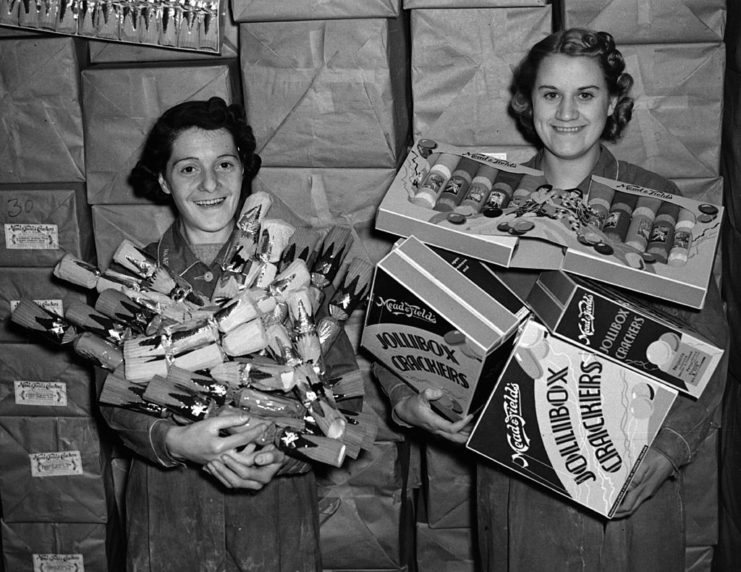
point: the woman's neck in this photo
(568, 173)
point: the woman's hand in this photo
(416, 410)
(652, 472)
(204, 441)
(247, 468)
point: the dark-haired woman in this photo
(571, 93)
(197, 499)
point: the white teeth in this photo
(209, 202)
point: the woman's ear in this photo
(163, 185)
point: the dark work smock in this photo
(525, 528)
(181, 518)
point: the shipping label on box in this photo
(614, 324)
(434, 328)
(633, 237)
(39, 226)
(41, 381)
(58, 546)
(570, 420)
(53, 470)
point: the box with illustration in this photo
(618, 325)
(440, 320)
(570, 420)
(637, 238)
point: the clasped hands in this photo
(226, 447)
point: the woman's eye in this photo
(227, 165)
(550, 95)
(188, 170)
(586, 95)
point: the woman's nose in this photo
(567, 110)
(209, 181)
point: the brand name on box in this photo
(401, 308)
(619, 337)
(517, 438)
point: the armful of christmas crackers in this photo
(256, 345)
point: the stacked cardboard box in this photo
(55, 487)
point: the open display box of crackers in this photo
(641, 239)
(442, 321)
(576, 422)
(616, 324)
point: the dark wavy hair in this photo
(599, 46)
(211, 115)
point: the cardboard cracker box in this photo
(398, 214)
(42, 127)
(39, 285)
(53, 469)
(617, 325)
(39, 224)
(270, 11)
(537, 226)
(570, 420)
(61, 546)
(41, 381)
(678, 108)
(434, 328)
(651, 22)
(461, 69)
(327, 93)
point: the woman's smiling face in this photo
(204, 177)
(571, 103)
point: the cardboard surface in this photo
(678, 91)
(327, 93)
(449, 487)
(433, 328)
(42, 127)
(359, 528)
(460, 81)
(570, 420)
(52, 470)
(41, 381)
(269, 10)
(449, 549)
(126, 102)
(650, 21)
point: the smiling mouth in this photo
(566, 129)
(210, 202)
